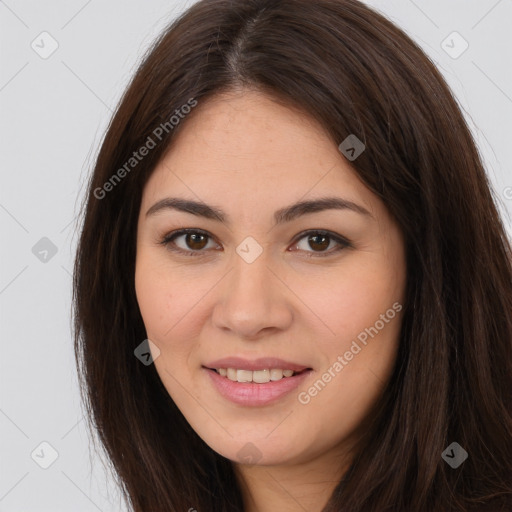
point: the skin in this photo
(248, 155)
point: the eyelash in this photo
(343, 242)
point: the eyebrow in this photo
(281, 216)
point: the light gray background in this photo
(53, 113)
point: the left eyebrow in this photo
(317, 205)
(281, 216)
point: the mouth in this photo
(255, 383)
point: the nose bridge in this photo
(249, 281)
(252, 298)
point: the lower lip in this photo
(252, 394)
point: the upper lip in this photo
(261, 363)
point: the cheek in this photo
(169, 300)
(153, 297)
(358, 308)
(362, 307)
(355, 299)
(162, 294)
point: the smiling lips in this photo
(257, 382)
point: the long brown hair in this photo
(356, 73)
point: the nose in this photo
(253, 300)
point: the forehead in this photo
(247, 146)
(242, 125)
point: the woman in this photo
(292, 287)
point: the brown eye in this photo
(323, 243)
(190, 241)
(195, 241)
(318, 242)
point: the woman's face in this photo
(265, 285)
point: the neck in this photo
(293, 487)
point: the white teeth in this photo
(261, 376)
(243, 375)
(276, 374)
(258, 376)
